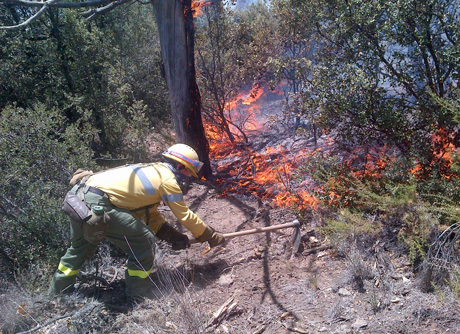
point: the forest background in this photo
(380, 74)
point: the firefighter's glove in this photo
(182, 242)
(78, 175)
(212, 237)
(169, 234)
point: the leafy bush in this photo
(126, 126)
(364, 201)
(39, 152)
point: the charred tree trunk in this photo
(175, 26)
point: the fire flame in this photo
(252, 97)
(442, 148)
(197, 7)
(248, 104)
(267, 174)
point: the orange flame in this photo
(442, 148)
(197, 7)
(266, 175)
(252, 97)
(371, 161)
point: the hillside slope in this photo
(254, 284)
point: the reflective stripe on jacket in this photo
(135, 186)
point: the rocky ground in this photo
(266, 288)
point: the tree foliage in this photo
(220, 73)
(232, 51)
(71, 90)
(108, 66)
(376, 68)
(297, 46)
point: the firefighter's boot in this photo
(61, 284)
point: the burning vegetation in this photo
(198, 5)
(263, 170)
(264, 164)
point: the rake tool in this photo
(295, 223)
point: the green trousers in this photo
(126, 231)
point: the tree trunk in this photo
(175, 26)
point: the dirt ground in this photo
(274, 290)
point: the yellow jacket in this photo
(133, 187)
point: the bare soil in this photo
(278, 291)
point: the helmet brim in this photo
(194, 166)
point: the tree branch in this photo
(45, 5)
(107, 6)
(57, 3)
(90, 14)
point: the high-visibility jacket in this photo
(134, 187)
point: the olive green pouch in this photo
(95, 228)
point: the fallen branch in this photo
(261, 329)
(315, 249)
(46, 323)
(114, 275)
(295, 329)
(223, 311)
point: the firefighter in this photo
(129, 197)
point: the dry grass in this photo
(172, 310)
(23, 304)
(17, 309)
(442, 260)
(98, 306)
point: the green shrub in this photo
(346, 223)
(39, 152)
(127, 127)
(364, 202)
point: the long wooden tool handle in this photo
(295, 223)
